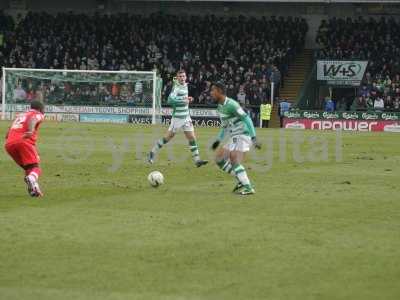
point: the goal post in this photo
(104, 92)
(3, 94)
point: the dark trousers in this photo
(265, 123)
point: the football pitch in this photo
(324, 223)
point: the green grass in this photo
(314, 230)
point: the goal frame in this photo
(5, 69)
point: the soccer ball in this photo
(155, 178)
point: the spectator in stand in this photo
(139, 91)
(276, 79)
(388, 102)
(329, 105)
(379, 104)
(364, 91)
(360, 104)
(341, 104)
(396, 104)
(205, 96)
(19, 93)
(284, 106)
(230, 91)
(370, 103)
(260, 96)
(115, 91)
(241, 96)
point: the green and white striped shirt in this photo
(234, 119)
(177, 99)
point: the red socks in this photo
(35, 171)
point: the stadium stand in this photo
(245, 52)
(375, 40)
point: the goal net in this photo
(83, 95)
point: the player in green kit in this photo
(179, 100)
(237, 124)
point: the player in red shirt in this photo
(21, 145)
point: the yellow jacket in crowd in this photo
(265, 111)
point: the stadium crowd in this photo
(247, 53)
(375, 40)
